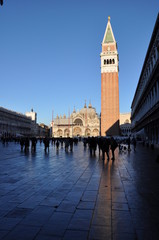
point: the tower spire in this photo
(108, 36)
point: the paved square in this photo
(59, 195)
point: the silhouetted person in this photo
(22, 143)
(61, 143)
(33, 144)
(92, 145)
(128, 141)
(84, 142)
(71, 144)
(66, 144)
(105, 148)
(26, 149)
(57, 145)
(100, 143)
(113, 145)
(46, 143)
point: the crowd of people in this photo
(105, 145)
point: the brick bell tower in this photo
(109, 84)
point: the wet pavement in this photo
(58, 195)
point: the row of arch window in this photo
(149, 68)
(150, 100)
(109, 61)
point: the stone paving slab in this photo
(60, 195)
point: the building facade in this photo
(82, 123)
(145, 104)
(109, 84)
(35, 128)
(125, 124)
(13, 123)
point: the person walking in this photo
(128, 141)
(113, 145)
(105, 148)
(46, 143)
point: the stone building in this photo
(35, 128)
(125, 124)
(145, 104)
(109, 84)
(82, 123)
(13, 123)
(17, 124)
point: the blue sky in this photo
(50, 52)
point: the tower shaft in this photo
(109, 84)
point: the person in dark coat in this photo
(46, 143)
(128, 141)
(27, 143)
(22, 143)
(113, 145)
(33, 144)
(105, 148)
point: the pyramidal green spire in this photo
(109, 34)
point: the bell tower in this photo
(109, 84)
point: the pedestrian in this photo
(27, 143)
(128, 142)
(46, 143)
(66, 144)
(33, 143)
(22, 143)
(57, 145)
(105, 148)
(99, 143)
(71, 144)
(113, 145)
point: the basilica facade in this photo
(83, 123)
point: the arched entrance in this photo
(77, 131)
(66, 132)
(88, 132)
(59, 133)
(95, 132)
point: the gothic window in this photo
(113, 61)
(110, 61)
(105, 61)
